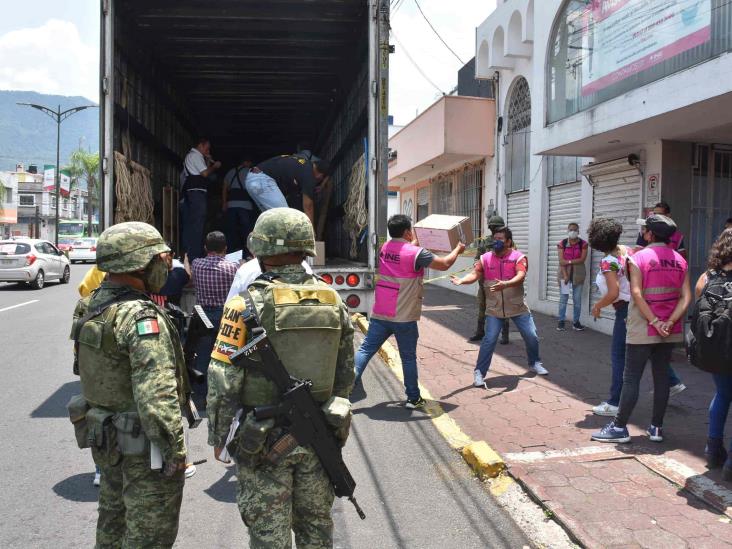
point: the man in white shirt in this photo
(248, 273)
(197, 167)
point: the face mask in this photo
(155, 275)
(573, 234)
(499, 245)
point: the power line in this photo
(437, 33)
(414, 63)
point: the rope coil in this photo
(133, 191)
(356, 213)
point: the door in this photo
(616, 195)
(49, 260)
(711, 203)
(518, 219)
(564, 208)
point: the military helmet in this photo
(282, 231)
(496, 221)
(128, 247)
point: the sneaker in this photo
(190, 470)
(715, 453)
(478, 379)
(476, 337)
(561, 326)
(605, 409)
(611, 433)
(538, 367)
(577, 327)
(676, 389)
(655, 433)
(97, 479)
(419, 402)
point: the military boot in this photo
(479, 331)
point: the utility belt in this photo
(195, 183)
(109, 432)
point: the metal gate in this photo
(564, 208)
(711, 202)
(518, 219)
(616, 194)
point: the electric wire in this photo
(414, 63)
(437, 33)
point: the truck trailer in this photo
(259, 79)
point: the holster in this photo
(131, 439)
(77, 408)
(248, 445)
(101, 433)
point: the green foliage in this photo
(85, 165)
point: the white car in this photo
(83, 249)
(32, 261)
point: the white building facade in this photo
(606, 108)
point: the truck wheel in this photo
(39, 281)
(66, 276)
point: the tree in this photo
(85, 165)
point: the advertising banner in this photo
(49, 181)
(625, 37)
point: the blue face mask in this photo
(498, 245)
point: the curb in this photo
(478, 454)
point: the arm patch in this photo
(146, 322)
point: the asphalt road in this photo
(416, 491)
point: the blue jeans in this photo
(264, 191)
(406, 334)
(493, 325)
(617, 354)
(239, 223)
(673, 377)
(206, 343)
(720, 405)
(576, 303)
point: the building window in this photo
(460, 192)
(423, 203)
(601, 50)
(563, 169)
(8, 195)
(518, 138)
(26, 200)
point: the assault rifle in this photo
(306, 420)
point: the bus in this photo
(76, 228)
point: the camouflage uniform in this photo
(483, 245)
(295, 494)
(130, 360)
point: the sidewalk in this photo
(641, 494)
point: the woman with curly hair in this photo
(719, 267)
(612, 280)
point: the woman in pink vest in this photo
(660, 294)
(502, 271)
(398, 301)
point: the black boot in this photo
(504, 333)
(479, 332)
(727, 470)
(715, 452)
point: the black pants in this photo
(193, 223)
(636, 357)
(239, 223)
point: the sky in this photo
(52, 46)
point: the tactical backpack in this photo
(709, 341)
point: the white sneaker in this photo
(478, 379)
(97, 479)
(676, 389)
(605, 409)
(538, 367)
(190, 470)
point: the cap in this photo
(660, 225)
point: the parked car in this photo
(83, 249)
(32, 261)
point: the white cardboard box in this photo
(441, 233)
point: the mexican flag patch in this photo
(147, 326)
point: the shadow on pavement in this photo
(224, 489)
(78, 488)
(395, 411)
(55, 405)
(14, 287)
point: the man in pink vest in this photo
(660, 292)
(502, 271)
(398, 301)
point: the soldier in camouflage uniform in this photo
(485, 244)
(311, 331)
(133, 380)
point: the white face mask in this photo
(573, 234)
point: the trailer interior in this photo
(257, 78)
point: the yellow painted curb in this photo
(485, 461)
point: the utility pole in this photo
(37, 230)
(58, 116)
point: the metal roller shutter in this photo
(518, 219)
(617, 195)
(564, 208)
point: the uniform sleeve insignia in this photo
(147, 326)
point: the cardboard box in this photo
(319, 259)
(441, 233)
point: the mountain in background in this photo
(29, 136)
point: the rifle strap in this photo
(97, 311)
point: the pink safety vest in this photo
(675, 240)
(510, 302)
(663, 270)
(399, 291)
